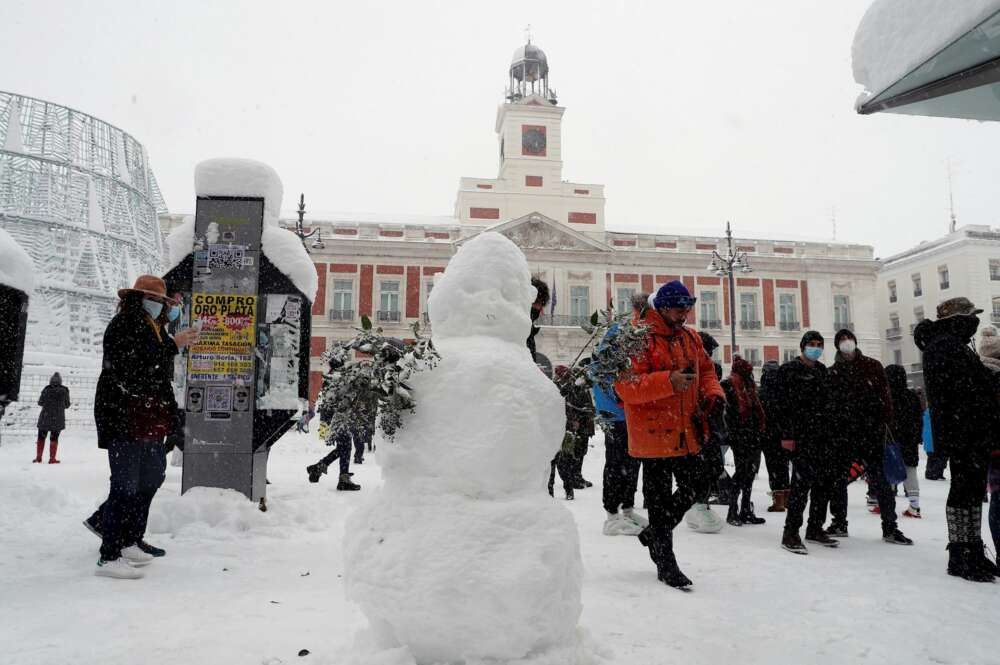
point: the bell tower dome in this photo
(529, 75)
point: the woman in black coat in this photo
(907, 430)
(54, 401)
(134, 410)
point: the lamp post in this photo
(726, 266)
(299, 228)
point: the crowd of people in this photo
(818, 427)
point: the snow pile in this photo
(245, 177)
(897, 36)
(462, 555)
(221, 514)
(16, 268)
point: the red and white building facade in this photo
(384, 267)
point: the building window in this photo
(892, 292)
(752, 356)
(788, 315)
(996, 310)
(918, 316)
(918, 288)
(748, 312)
(710, 310)
(894, 321)
(788, 355)
(625, 299)
(343, 300)
(897, 357)
(579, 304)
(388, 309)
(842, 313)
(944, 278)
(428, 287)
(995, 270)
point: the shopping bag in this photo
(894, 468)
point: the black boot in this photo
(733, 516)
(790, 541)
(315, 471)
(747, 515)
(977, 554)
(345, 484)
(961, 563)
(894, 536)
(661, 551)
(819, 536)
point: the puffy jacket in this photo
(54, 401)
(661, 422)
(804, 413)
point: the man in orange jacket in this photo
(668, 393)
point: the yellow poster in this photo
(225, 348)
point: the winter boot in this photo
(39, 449)
(979, 559)
(345, 483)
(53, 449)
(960, 564)
(661, 551)
(895, 537)
(837, 530)
(733, 516)
(790, 541)
(779, 501)
(819, 536)
(93, 524)
(315, 471)
(569, 493)
(749, 517)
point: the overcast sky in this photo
(691, 113)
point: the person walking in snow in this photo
(700, 518)
(621, 470)
(775, 456)
(537, 308)
(340, 438)
(134, 410)
(667, 392)
(54, 401)
(745, 424)
(805, 425)
(962, 396)
(862, 411)
(579, 428)
(989, 352)
(906, 425)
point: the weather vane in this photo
(527, 33)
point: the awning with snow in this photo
(930, 57)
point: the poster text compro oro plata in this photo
(224, 352)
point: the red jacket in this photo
(660, 420)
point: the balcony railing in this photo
(995, 318)
(893, 298)
(749, 325)
(341, 314)
(711, 324)
(945, 285)
(562, 320)
(841, 325)
(917, 293)
(388, 315)
(893, 333)
(788, 325)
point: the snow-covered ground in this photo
(241, 587)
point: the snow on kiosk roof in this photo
(930, 57)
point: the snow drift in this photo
(462, 555)
(245, 177)
(897, 36)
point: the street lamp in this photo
(726, 266)
(300, 230)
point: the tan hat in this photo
(149, 285)
(957, 307)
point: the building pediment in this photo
(536, 231)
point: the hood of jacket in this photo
(896, 376)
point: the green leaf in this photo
(366, 323)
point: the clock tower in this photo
(530, 178)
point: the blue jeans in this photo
(342, 451)
(137, 471)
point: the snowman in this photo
(461, 555)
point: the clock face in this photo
(533, 140)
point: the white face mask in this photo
(848, 346)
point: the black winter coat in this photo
(907, 416)
(770, 399)
(804, 407)
(960, 390)
(54, 402)
(134, 386)
(744, 433)
(862, 407)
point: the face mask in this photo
(814, 353)
(848, 346)
(152, 307)
(173, 312)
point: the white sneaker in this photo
(635, 518)
(117, 568)
(701, 519)
(133, 555)
(618, 525)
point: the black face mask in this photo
(535, 313)
(966, 326)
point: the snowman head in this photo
(485, 290)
